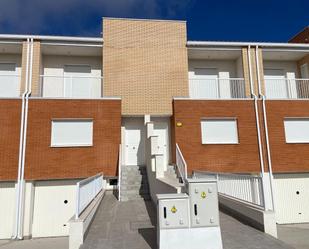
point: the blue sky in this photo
(228, 20)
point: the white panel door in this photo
(161, 130)
(7, 214)
(224, 85)
(9, 81)
(134, 141)
(291, 198)
(54, 205)
(204, 84)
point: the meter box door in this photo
(173, 211)
(204, 209)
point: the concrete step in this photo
(134, 187)
(139, 197)
(135, 192)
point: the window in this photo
(219, 131)
(296, 130)
(71, 132)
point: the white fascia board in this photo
(192, 44)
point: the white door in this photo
(9, 80)
(275, 84)
(54, 205)
(161, 129)
(291, 195)
(204, 83)
(134, 141)
(77, 81)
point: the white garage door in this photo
(291, 194)
(54, 205)
(7, 214)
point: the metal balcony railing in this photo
(10, 85)
(217, 88)
(71, 86)
(285, 88)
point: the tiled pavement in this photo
(131, 225)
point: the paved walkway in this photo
(131, 225)
(42, 243)
(296, 235)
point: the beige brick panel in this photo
(246, 71)
(36, 65)
(261, 70)
(23, 68)
(145, 63)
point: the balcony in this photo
(82, 87)
(10, 85)
(217, 88)
(285, 88)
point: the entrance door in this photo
(275, 84)
(161, 129)
(134, 141)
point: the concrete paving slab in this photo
(40, 243)
(296, 235)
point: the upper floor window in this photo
(9, 80)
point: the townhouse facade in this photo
(70, 106)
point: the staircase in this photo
(134, 183)
(171, 178)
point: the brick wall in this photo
(10, 111)
(286, 157)
(23, 67)
(146, 63)
(242, 157)
(302, 37)
(45, 162)
(36, 65)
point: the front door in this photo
(161, 129)
(134, 141)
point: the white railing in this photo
(119, 172)
(247, 188)
(217, 88)
(286, 88)
(71, 86)
(86, 191)
(181, 164)
(10, 85)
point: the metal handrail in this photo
(243, 187)
(119, 172)
(86, 191)
(181, 164)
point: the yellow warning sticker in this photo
(174, 209)
(203, 194)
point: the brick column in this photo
(23, 68)
(36, 66)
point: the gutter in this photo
(256, 110)
(266, 129)
(18, 191)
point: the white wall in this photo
(286, 66)
(220, 65)
(12, 58)
(7, 213)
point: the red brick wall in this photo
(286, 157)
(242, 157)
(10, 111)
(45, 162)
(301, 37)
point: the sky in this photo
(216, 20)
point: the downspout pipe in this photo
(18, 192)
(22, 180)
(257, 119)
(266, 128)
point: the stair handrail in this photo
(181, 164)
(119, 172)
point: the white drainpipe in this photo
(257, 125)
(266, 129)
(18, 193)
